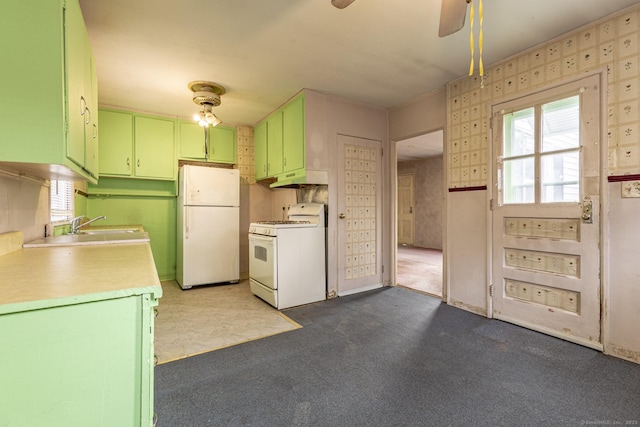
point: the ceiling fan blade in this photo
(341, 4)
(452, 15)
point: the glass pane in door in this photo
(519, 180)
(560, 177)
(519, 133)
(561, 124)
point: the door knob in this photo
(342, 216)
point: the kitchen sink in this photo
(108, 231)
(91, 237)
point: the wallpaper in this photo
(428, 200)
(245, 154)
(612, 43)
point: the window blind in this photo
(61, 198)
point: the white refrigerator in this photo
(208, 226)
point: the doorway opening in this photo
(420, 210)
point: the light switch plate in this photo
(631, 189)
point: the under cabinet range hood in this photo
(301, 177)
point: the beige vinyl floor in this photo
(207, 318)
(420, 269)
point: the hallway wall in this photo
(428, 200)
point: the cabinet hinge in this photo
(491, 123)
(490, 290)
(490, 204)
(381, 152)
(383, 268)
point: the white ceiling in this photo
(384, 53)
(419, 147)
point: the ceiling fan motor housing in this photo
(204, 97)
(205, 92)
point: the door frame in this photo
(603, 188)
(393, 176)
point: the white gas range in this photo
(287, 258)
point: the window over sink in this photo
(61, 195)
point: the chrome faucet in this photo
(75, 223)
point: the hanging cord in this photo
(472, 44)
(480, 41)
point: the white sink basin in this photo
(93, 237)
(109, 231)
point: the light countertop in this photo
(32, 278)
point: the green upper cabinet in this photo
(53, 62)
(154, 148)
(137, 146)
(274, 144)
(293, 137)
(221, 147)
(260, 153)
(280, 141)
(116, 149)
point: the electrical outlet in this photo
(631, 189)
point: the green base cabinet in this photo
(49, 91)
(79, 364)
(221, 147)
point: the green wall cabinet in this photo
(268, 146)
(68, 350)
(116, 150)
(82, 93)
(274, 144)
(49, 91)
(280, 141)
(293, 137)
(154, 148)
(222, 143)
(136, 146)
(260, 153)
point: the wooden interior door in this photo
(359, 213)
(405, 209)
(546, 216)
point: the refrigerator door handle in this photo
(186, 223)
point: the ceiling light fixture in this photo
(207, 95)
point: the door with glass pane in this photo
(546, 218)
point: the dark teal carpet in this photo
(393, 357)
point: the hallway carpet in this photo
(206, 318)
(420, 269)
(394, 357)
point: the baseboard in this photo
(358, 290)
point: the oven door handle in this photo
(260, 238)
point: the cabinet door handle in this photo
(138, 162)
(95, 131)
(83, 105)
(128, 162)
(87, 117)
(285, 162)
